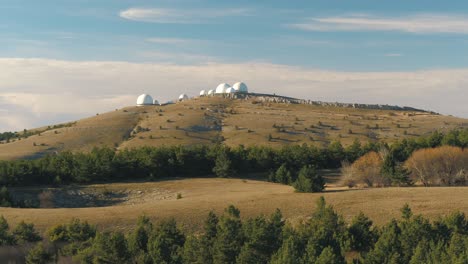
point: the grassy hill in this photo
(230, 121)
(158, 200)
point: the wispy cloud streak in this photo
(181, 16)
(420, 23)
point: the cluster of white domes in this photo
(224, 88)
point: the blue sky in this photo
(353, 41)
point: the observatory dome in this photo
(183, 97)
(155, 102)
(145, 99)
(231, 90)
(211, 92)
(202, 93)
(241, 87)
(222, 88)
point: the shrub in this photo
(367, 170)
(444, 165)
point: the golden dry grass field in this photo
(158, 200)
(235, 121)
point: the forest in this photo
(323, 238)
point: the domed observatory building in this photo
(155, 102)
(183, 97)
(211, 92)
(231, 90)
(240, 87)
(222, 87)
(202, 93)
(144, 99)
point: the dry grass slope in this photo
(158, 201)
(234, 122)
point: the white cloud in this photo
(393, 55)
(171, 41)
(180, 16)
(420, 23)
(36, 92)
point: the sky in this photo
(69, 59)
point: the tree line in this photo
(323, 238)
(151, 163)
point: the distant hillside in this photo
(247, 119)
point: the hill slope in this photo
(247, 121)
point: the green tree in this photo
(223, 164)
(166, 243)
(361, 233)
(5, 237)
(5, 198)
(329, 257)
(283, 175)
(138, 239)
(24, 232)
(229, 238)
(261, 236)
(387, 249)
(39, 255)
(309, 180)
(288, 253)
(106, 248)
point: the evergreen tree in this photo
(223, 164)
(39, 255)
(387, 249)
(325, 229)
(5, 237)
(230, 238)
(166, 243)
(329, 257)
(361, 235)
(24, 232)
(283, 175)
(309, 180)
(288, 252)
(138, 239)
(5, 199)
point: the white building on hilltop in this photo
(183, 97)
(144, 99)
(221, 88)
(202, 93)
(240, 87)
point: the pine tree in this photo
(288, 253)
(362, 237)
(329, 257)
(166, 243)
(283, 175)
(24, 232)
(229, 238)
(39, 255)
(5, 237)
(223, 165)
(309, 180)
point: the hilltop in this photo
(233, 120)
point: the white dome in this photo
(240, 87)
(202, 93)
(211, 92)
(231, 90)
(155, 102)
(145, 99)
(183, 97)
(222, 87)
